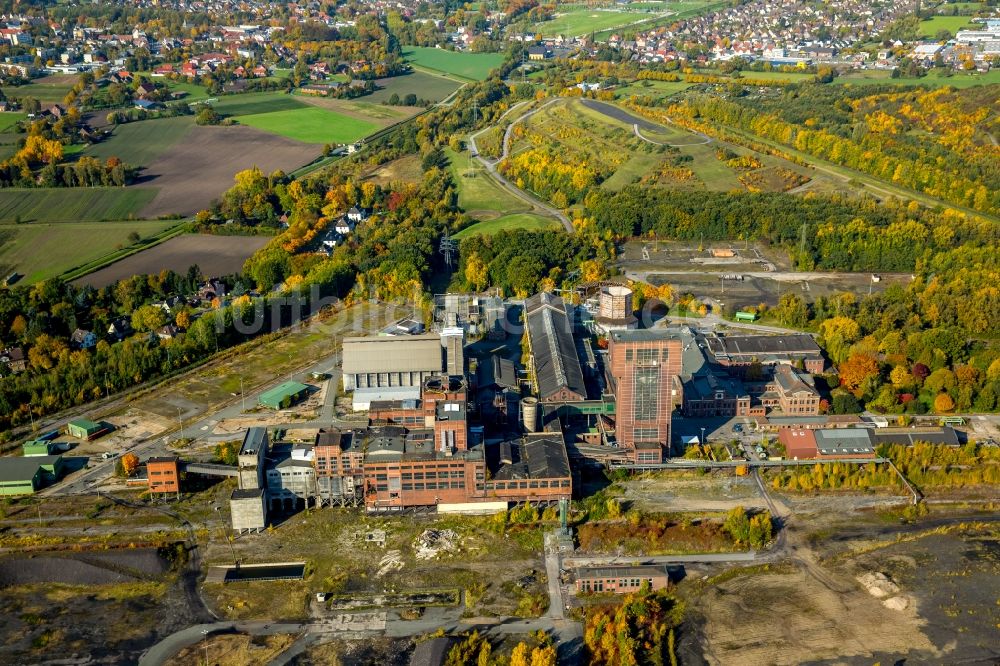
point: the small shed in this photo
(284, 395)
(38, 447)
(746, 316)
(85, 429)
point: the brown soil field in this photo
(215, 255)
(406, 169)
(816, 623)
(200, 168)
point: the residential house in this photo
(82, 339)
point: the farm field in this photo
(199, 169)
(506, 223)
(424, 85)
(9, 118)
(41, 251)
(72, 204)
(215, 255)
(478, 194)
(957, 80)
(250, 103)
(311, 125)
(475, 66)
(47, 90)
(378, 114)
(142, 142)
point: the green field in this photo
(931, 27)
(253, 103)
(84, 204)
(474, 66)
(932, 80)
(657, 89)
(675, 11)
(9, 118)
(477, 191)
(47, 90)
(507, 222)
(41, 251)
(424, 85)
(573, 21)
(311, 125)
(141, 143)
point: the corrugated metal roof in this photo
(411, 353)
(556, 363)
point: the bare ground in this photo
(816, 623)
(215, 255)
(200, 168)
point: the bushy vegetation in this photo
(638, 630)
(928, 466)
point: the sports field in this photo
(64, 204)
(474, 66)
(507, 222)
(311, 125)
(141, 143)
(41, 251)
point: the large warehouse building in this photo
(390, 368)
(555, 366)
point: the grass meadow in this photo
(473, 66)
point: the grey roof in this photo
(621, 572)
(253, 441)
(536, 458)
(838, 441)
(910, 436)
(790, 381)
(22, 469)
(799, 344)
(556, 363)
(647, 335)
(410, 353)
(248, 493)
(348, 440)
(496, 371)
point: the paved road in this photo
(553, 563)
(700, 558)
(491, 169)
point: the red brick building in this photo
(621, 580)
(642, 368)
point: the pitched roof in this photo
(556, 363)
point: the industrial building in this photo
(740, 351)
(642, 368)
(247, 510)
(555, 366)
(801, 444)
(291, 481)
(390, 367)
(24, 476)
(85, 429)
(250, 460)
(164, 474)
(39, 447)
(284, 395)
(614, 309)
(621, 580)
(339, 466)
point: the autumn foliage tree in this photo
(632, 632)
(855, 370)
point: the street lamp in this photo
(180, 425)
(242, 395)
(204, 632)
